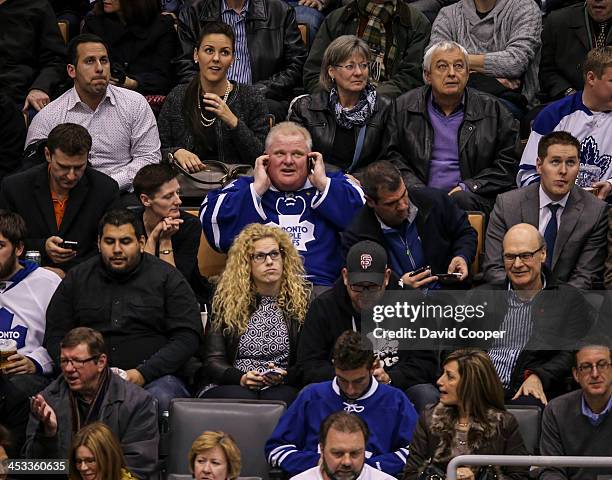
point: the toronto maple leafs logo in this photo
(17, 333)
(589, 155)
(290, 209)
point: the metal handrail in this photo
(524, 461)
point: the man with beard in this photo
(364, 281)
(143, 307)
(293, 446)
(342, 443)
(25, 292)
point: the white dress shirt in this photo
(545, 212)
(123, 131)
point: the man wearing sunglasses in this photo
(88, 391)
(365, 278)
(578, 423)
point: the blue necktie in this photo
(550, 234)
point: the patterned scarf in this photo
(375, 35)
(359, 114)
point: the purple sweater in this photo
(444, 169)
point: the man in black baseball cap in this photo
(364, 280)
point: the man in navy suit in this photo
(61, 200)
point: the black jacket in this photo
(32, 52)
(149, 318)
(12, 136)
(331, 314)
(488, 159)
(565, 44)
(410, 34)
(562, 313)
(273, 40)
(27, 193)
(313, 112)
(144, 53)
(443, 227)
(14, 413)
(221, 350)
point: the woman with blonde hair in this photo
(96, 455)
(257, 311)
(214, 456)
(470, 418)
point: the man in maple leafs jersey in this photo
(587, 116)
(289, 189)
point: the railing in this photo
(523, 461)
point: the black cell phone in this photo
(448, 277)
(69, 244)
(419, 270)
(311, 162)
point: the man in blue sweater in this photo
(290, 189)
(293, 446)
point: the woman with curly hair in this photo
(257, 311)
(469, 419)
(96, 455)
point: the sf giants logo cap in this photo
(366, 260)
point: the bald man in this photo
(543, 318)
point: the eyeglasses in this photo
(76, 363)
(87, 461)
(601, 366)
(365, 288)
(524, 256)
(350, 67)
(444, 67)
(260, 257)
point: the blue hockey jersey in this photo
(391, 418)
(313, 219)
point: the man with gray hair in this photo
(290, 189)
(447, 136)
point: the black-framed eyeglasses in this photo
(601, 366)
(524, 256)
(260, 257)
(349, 67)
(365, 288)
(77, 363)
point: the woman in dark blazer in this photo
(348, 107)
(141, 42)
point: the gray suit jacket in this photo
(580, 247)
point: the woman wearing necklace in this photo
(469, 419)
(211, 118)
(347, 117)
(257, 311)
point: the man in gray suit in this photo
(573, 221)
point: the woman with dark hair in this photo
(469, 419)
(142, 43)
(211, 118)
(172, 234)
(347, 117)
(96, 455)
(257, 311)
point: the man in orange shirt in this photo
(62, 200)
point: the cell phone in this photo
(448, 277)
(419, 270)
(70, 245)
(311, 163)
(273, 372)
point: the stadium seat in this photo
(529, 418)
(63, 28)
(210, 262)
(477, 221)
(304, 33)
(250, 422)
